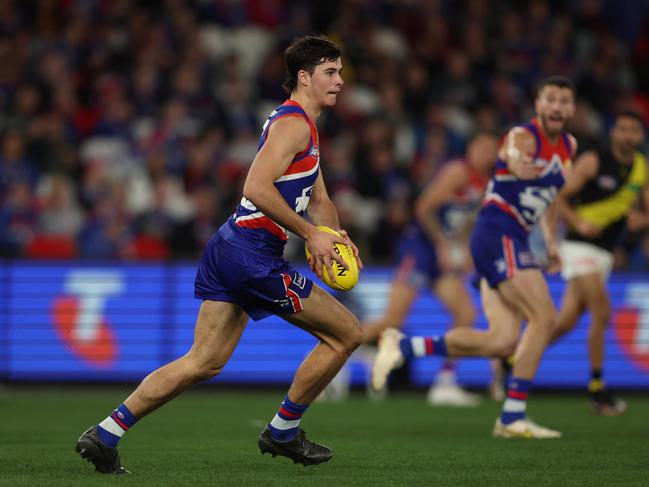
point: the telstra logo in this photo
(79, 319)
(631, 325)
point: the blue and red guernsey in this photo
(457, 214)
(519, 204)
(251, 226)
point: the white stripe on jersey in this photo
(252, 216)
(497, 198)
(259, 214)
(555, 162)
(247, 204)
(298, 175)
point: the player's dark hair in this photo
(630, 114)
(555, 80)
(305, 54)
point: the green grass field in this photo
(208, 437)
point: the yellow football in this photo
(345, 279)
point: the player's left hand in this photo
(348, 241)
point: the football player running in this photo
(433, 253)
(243, 273)
(532, 164)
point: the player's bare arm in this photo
(517, 151)
(321, 209)
(323, 212)
(573, 144)
(550, 220)
(584, 169)
(287, 137)
(439, 192)
(548, 224)
(638, 218)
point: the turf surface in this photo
(208, 437)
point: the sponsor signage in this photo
(108, 323)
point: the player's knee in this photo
(208, 371)
(504, 347)
(353, 336)
(562, 326)
(202, 370)
(601, 314)
(545, 323)
(501, 343)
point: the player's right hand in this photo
(518, 151)
(588, 229)
(321, 247)
(523, 166)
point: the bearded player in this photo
(532, 165)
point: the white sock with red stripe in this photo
(111, 429)
(423, 346)
(286, 423)
(516, 401)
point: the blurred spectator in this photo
(59, 212)
(190, 235)
(18, 217)
(15, 166)
(126, 127)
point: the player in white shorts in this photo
(601, 191)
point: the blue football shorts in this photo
(262, 285)
(497, 255)
(417, 260)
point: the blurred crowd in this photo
(126, 127)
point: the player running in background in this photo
(601, 191)
(242, 272)
(433, 253)
(532, 161)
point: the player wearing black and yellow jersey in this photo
(600, 194)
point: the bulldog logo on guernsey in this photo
(79, 319)
(631, 325)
